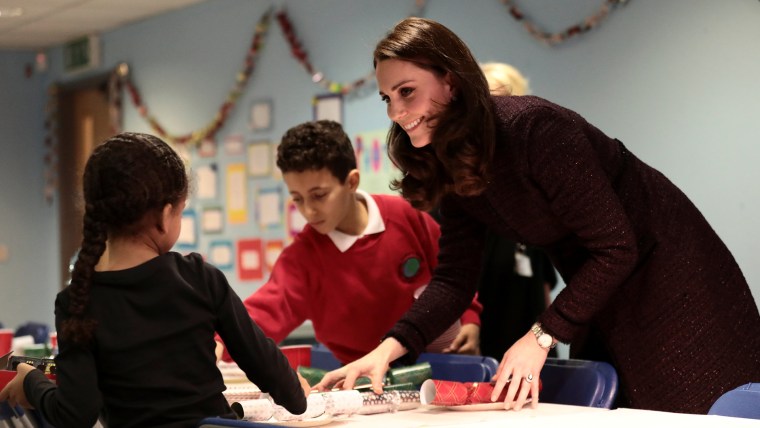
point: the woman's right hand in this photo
(374, 365)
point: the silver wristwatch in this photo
(544, 339)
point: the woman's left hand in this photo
(522, 363)
(466, 342)
(14, 390)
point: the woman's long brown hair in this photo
(460, 153)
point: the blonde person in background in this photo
(516, 281)
(503, 79)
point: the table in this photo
(544, 415)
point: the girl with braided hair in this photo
(136, 325)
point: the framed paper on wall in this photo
(259, 159)
(261, 115)
(328, 107)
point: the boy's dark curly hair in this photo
(316, 145)
(127, 182)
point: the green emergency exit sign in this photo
(81, 54)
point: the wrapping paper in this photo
(315, 406)
(415, 374)
(401, 387)
(231, 371)
(260, 409)
(239, 391)
(390, 401)
(311, 374)
(379, 403)
(450, 393)
(408, 400)
(343, 402)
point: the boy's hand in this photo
(466, 342)
(374, 365)
(14, 391)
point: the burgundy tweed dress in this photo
(650, 286)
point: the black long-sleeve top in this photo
(152, 360)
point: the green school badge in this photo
(411, 267)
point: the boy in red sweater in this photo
(358, 264)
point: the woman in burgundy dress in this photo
(651, 288)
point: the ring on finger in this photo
(529, 378)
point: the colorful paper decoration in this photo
(299, 53)
(574, 30)
(241, 81)
(250, 258)
(237, 206)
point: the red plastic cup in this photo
(6, 340)
(54, 341)
(297, 355)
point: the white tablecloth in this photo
(544, 415)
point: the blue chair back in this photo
(322, 358)
(579, 383)
(742, 402)
(39, 331)
(460, 368)
(17, 416)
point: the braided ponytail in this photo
(128, 176)
(79, 327)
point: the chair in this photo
(17, 416)
(39, 331)
(322, 358)
(742, 402)
(579, 382)
(460, 368)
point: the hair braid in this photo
(79, 328)
(127, 179)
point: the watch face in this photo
(544, 341)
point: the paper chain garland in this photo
(299, 53)
(221, 116)
(196, 137)
(574, 30)
(120, 78)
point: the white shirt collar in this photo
(375, 224)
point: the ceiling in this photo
(47, 23)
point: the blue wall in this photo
(28, 224)
(677, 81)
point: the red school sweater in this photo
(353, 298)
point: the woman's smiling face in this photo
(413, 95)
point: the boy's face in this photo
(321, 198)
